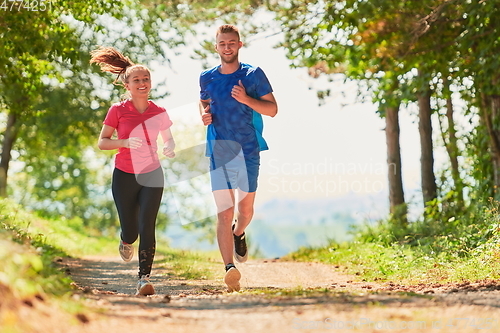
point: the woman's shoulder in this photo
(119, 105)
(154, 106)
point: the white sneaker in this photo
(126, 251)
(144, 287)
(232, 279)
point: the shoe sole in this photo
(239, 258)
(126, 259)
(232, 280)
(146, 290)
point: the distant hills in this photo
(281, 226)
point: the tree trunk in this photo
(452, 148)
(397, 203)
(490, 114)
(7, 144)
(429, 189)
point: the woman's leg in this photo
(149, 202)
(125, 192)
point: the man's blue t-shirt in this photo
(234, 125)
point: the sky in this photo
(315, 151)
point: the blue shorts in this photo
(238, 173)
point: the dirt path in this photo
(348, 306)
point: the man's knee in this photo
(246, 210)
(225, 217)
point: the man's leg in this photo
(224, 200)
(245, 214)
(245, 211)
(247, 188)
(224, 180)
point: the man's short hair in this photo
(227, 28)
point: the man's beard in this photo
(229, 60)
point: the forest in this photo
(439, 56)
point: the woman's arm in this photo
(168, 142)
(106, 143)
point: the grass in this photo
(318, 293)
(189, 265)
(30, 246)
(408, 264)
(455, 250)
(68, 237)
(450, 244)
(55, 238)
(27, 262)
(291, 292)
(27, 273)
(370, 257)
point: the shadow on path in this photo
(113, 281)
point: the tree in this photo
(425, 47)
(479, 47)
(433, 53)
(465, 40)
(397, 203)
(429, 188)
(54, 102)
(37, 47)
(364, 40)
(450, 141)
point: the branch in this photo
(424, 24)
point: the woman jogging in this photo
(137, 183)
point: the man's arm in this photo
(206, 116)
(266, 105)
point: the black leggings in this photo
(137, 199)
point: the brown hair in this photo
(227, 28)
(112, 61)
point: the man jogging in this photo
(234, 96)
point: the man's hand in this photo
(239, 93)
(206, 116)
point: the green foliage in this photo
(27, 257)
(22, 267)
(446, 228)
(54, 237)
(464, 247)
(397, 50)
(31, 246)
(370, 260)
(45, 60)
(58, 101)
